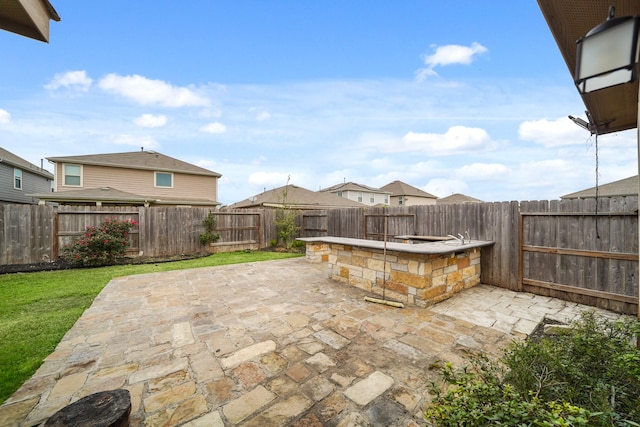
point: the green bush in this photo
(590, 376)
(596, 366)
(209, 236)
(99, 245)
(286, 215)
(477, 396)
(298, 244)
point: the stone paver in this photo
(268, 344)
(368, 389)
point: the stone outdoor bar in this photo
(420, 274)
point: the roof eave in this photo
(33, 22)
(22, 167)
(128, 166)
(614, 109)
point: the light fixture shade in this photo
(608, 54)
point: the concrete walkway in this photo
(268, 344)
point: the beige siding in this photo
(378, 198)
(413, 201)
(142, 182)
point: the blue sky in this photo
(450, 97)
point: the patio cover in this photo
(613, 109)
(29, 18)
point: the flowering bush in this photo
(99, 245)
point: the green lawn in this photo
(37, 309)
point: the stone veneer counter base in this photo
(419, 274)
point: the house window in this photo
(17, 179)
(339, 193)
(386, 200)
(164, 179)
(371, 198)
(73, 175)
(360, 197)
(400, 200)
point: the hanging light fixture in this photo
(608, 54)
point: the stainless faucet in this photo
(459, 239)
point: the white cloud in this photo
(135, 140)
(483, 171)
(152, 92)
(215, 128)
(262, 116)
(448, 55)
(456, 140)
(5, 117)
(76, 80)
(555, 133)
(549, 172)
(270, 179)
(210, 113)
(151, 121)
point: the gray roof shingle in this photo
(622, 187)
(457, 198)
(298, 198)
(352, 186)
(399, 188)
(16, 161)
(147, 160)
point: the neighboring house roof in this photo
(399, 188)
(297, 198)
(108, 195)
(104, 194)
(18, 162)
(145, 160)
(623, 187)
(457, 198)
(352, 186)
(29, 18)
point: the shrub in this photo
(477, 396)
(590, 376)
(596, 366)
(298, 244)
(99, 245)
(286, 219)
(210, 223)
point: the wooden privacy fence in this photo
(31, 234)
(26, 234)
(581, 250)
(397, 224)
(69, 223)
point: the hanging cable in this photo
(597, 186)
(593, 130)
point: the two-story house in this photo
(19, 178)
(360, 193)
(294, 197)
(403, 194)
(145, 178)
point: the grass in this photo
(37, 309)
